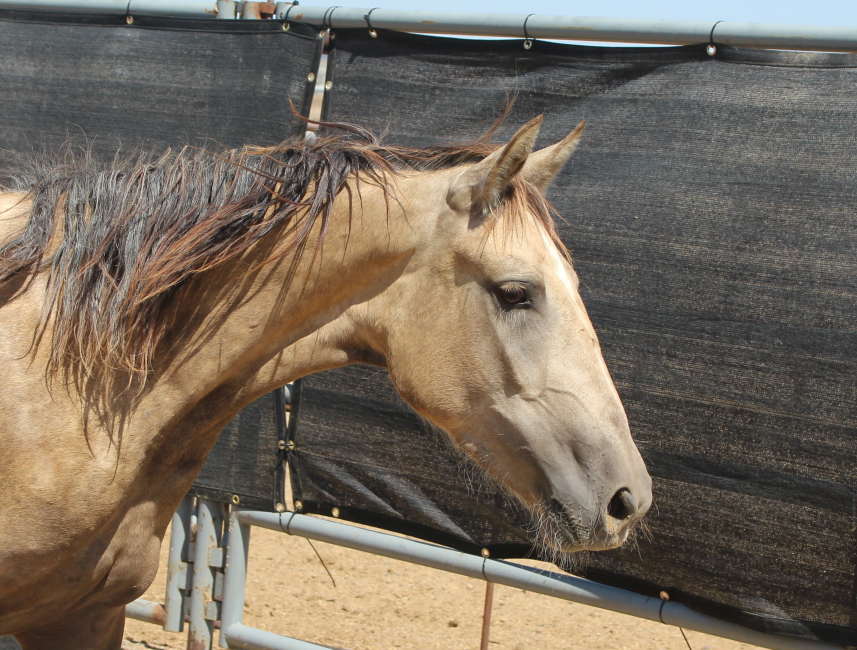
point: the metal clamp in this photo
(712, 48)
(368, 19)
(528, 42)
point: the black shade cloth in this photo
(157, 83)
(246, 466)
(164, 82)
(711, 215)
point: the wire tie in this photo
(368, 19)
(328, 17)
(712, 48)
(528, 42)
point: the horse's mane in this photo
(132, 233)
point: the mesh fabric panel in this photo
(163, 82)
(710, 211)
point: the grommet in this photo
(328, 85)
(335, 512)
(285, 27)
(281, 444)
(322, 33)
(711, 49)
(236, 499)
(332, 36)
(665, 595)
(310, 76)
(129, 20)
(290, 445)
(486, 552)
(280, 507)
(299, 505)
(528, 44)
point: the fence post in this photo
(178, 567)
(234, 576)
(207, 563)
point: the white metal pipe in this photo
(238, 635)
(177, 567)
(513, 575)
(573, 28)
(146, 611)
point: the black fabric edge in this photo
(679, 53)
(838, 634)
(784, 58)
(282, 435)
(166, 23)
(309, 86)
(330, 75)
(291, 457)
(247, 501)
(654, 55)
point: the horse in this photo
(143, 303)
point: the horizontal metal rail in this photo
(146, 611)
(557, 585)
(574, 28)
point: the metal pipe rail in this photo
(574, 28)
(234, 634)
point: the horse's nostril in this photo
(622, 505)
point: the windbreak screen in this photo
(100, 84)
(710, 212)
(158, 83)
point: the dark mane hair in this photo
(132, 233)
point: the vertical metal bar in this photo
(234, 576)
(207, 557)
(227, 9)
(177, 569)
(486, 615)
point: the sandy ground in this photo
(380, 604)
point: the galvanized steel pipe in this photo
(522, 577)
(573, 28)
(146, 611)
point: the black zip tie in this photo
(685, 639)
(528, 42)
(322, 561)
(328, 17)
(664, 598)
(712, 48)
(291, 6)
(368, 19)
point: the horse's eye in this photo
(514, 294)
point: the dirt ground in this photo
(381, 604)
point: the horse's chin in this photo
(565, 541)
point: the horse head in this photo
(485, 335)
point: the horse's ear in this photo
(543, 165)
(484, 183)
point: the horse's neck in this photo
(237, 328)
